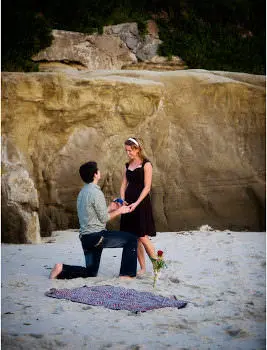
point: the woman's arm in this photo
(147, 185)
(124, 184)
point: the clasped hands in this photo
(128, 208)
(124, 206)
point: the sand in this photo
(220, 273)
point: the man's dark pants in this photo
(93, 244)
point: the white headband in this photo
(134, 141)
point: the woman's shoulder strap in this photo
(146, 161)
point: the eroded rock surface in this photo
(19, 199)
(119, 46)
(78, 51)
(204, 132)
(146, 47)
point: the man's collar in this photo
(94, 185)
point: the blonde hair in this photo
(131, 141)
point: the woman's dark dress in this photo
(140, 221)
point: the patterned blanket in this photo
(116, 298)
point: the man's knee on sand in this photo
(131, 237)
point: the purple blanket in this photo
(116, 298)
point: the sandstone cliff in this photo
(204, 133)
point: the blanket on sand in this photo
(116, 298)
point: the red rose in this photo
(160, 253)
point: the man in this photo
(93, 215)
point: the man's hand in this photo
(113, 206)
(124, 209)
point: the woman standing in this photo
(135, 188)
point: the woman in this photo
(135, 188)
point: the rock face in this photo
(72, 50)
(120, 46)
(20, 220)
(144, 48)
(204, 133)
(158, 63)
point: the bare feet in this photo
(126, 277)
(56, 271)
(141, 272)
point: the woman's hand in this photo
(133, 206)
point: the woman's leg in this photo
(149, 247)
(141, 258)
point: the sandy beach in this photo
(221, 274)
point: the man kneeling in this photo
(93, 215)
